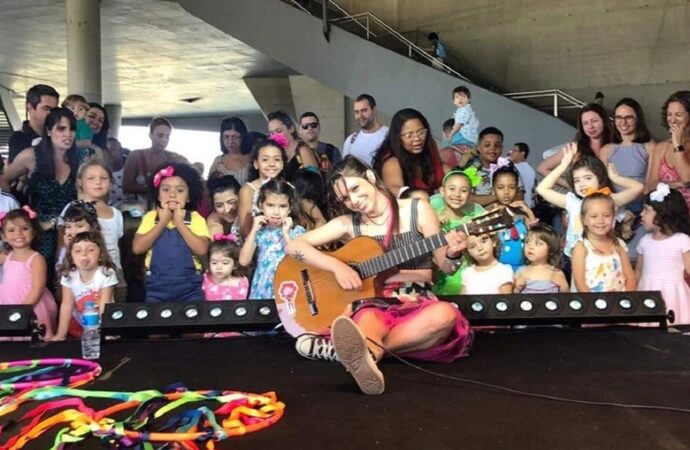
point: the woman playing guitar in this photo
(418, 326)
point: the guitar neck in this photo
(394, 258)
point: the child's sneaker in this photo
(315, 347)
(353, 353)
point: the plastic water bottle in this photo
(91, 336)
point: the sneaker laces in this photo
(319, 347)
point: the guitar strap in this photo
(389, 225)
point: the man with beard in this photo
(364, 143)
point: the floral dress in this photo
(270, 245)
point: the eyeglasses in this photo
(312, 125)
(421, 134)
(624, 118)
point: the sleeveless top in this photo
(631, 161)
(401, 240)
(669, 174)
(540, 287)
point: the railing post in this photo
(367, 27)
(555, 105)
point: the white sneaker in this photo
(315, 347)
(353, 353)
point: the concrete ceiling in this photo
(153, 55)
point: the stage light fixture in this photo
(20, 320)
(564, 308)
(189, 317)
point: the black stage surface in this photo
(420, 411)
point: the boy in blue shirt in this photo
(464, 131)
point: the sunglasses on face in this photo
(312, 125)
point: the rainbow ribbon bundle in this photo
(53, 381)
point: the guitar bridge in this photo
(308, 292)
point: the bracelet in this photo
(454, 259)
(678, 148)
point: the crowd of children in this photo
(233, 253)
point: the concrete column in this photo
(84, 48)
(271, 94)
(310, 95)
(115, 119)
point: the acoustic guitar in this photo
(308, 299)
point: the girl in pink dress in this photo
(25, 270)
(224, 281)
(663, 255)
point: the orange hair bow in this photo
(591, 191)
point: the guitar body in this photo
(309, 299)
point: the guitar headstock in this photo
(489, 222)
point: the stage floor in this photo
(324, 409)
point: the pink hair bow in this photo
(230, 237)
(279, 139)
(3, 214)
(501, 162)
(32, 214)
(163, 173)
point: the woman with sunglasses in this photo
(235, 148)
(409, 156)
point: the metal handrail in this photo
(571, 102)
(369, 18)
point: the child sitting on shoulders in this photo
(541, 275)
(464, 131)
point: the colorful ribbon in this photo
(238, 414)
(471, 173)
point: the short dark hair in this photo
(309, 114)
(462, 90)
(34, 94)
(156, 121)
(448, 124)
(367, 97)
(524, 148)
(490, 130)
(432, 36)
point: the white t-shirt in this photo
(85, 292)
(528, 176)
(112, 230)
(486, 282)
(364, 145)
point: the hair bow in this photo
(163, 173)
(279, 139)
(30, 212)
(591, 191)
(660, 193)
(501, 162)
(230, 237)
(3, 214)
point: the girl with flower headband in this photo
(453, 209)
(663, 255)
(587, 175)
(299, 155)
(25, 270)
(174, 236)
(225, 279)
(268, 160)
(418, 326)
(600, 259)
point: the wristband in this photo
(678, 148)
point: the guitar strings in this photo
(536, 395)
